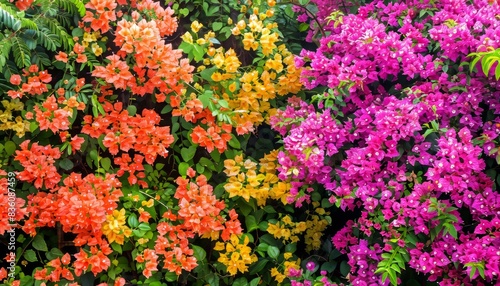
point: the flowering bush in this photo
(196, 143)
(405, 136)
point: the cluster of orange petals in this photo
(123, 132)
(35, 84)
(199, 214)
(77, 54)
(80, 206)
(23, 4)
(212, 136)
(150, 260)
(38, 162)
(163, 17)
(53, 116)
(156, 68)
(99, 14)
(58, 269)
(97, 261)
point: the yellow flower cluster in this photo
(248, 181)
(235, 254)
(312, 229)
(9, 122)
(247, 86)
(315, 227)
(90, 39)
(280, 276)
(114, 227)
(286, 229)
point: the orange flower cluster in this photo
(34, 83)
(54, 117)
(77, 55)
(199, 214)
(58, 268)
(99, 14)
(200, 210)
(80, 206)
(156, 68)
(38, 162)
(152, 11)
(75, 142)
(5, 199)
(83, 204)
(150, 260)
(97, 261)
(212, 135)
(123, 132)
(23, 4)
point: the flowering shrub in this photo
(139, 149)
(404, 135)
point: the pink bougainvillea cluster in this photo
(406, 135)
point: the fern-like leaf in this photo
(21, 52)
(53, 26)
(72, 6)
(8, 17)
(5, 46)
(28, 24)
(40, 58)
(48, 40)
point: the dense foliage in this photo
(235, 143)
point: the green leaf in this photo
(344, 268)
(273, 252)
(205, 162)
(39, 243)
(216, 26)
(132, 220)
(184, 12)
(132, 110)
(206, 74)
(257, 267)
(30, 255)
(66, 164)
(291, 247)
(116, 247)
(166, 109)
(105, 163)
(47, 39)
(251, 223)
(199, 253)
(188, 153)
(329, 266)
(206, 98)
(183, 167)
(10, 148)
(254, 282)
(21, 52)
(234, 142)
(144, 226)
(452, 230)
(242, 281)
(171, 276)
(53, 254)
(198, 52)
(262, 247)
